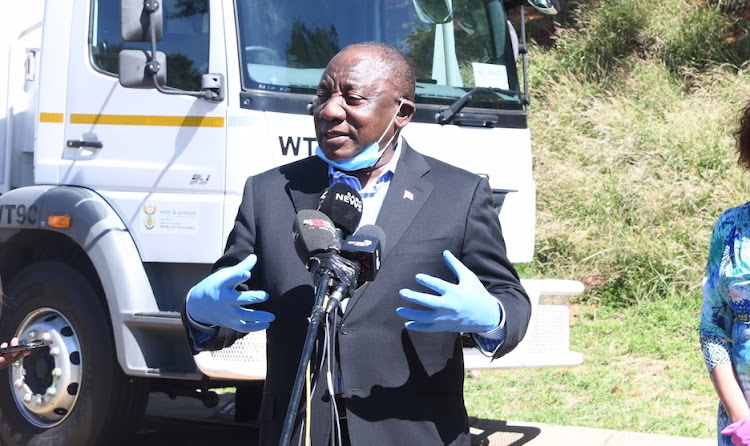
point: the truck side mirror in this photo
(137, 69)
(433, 11)
(549, 7)
(137, 17)
(142, 21)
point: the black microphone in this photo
(318, 244)
(365, 247)
(343, 205)
(314, 233)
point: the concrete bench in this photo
(546, 343)
(547, 340)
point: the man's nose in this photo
(332, 109)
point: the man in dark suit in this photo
(400, 363)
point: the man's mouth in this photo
(335, 137)
(333, 134)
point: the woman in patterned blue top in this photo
(725, 316)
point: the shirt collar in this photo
(390, 168)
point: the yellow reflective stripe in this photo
(51, 117)
(170, 121)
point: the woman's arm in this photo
(729, 392)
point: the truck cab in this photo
(128, 132)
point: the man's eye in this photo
(352, 100)
(321, 98)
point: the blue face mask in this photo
(367, 157)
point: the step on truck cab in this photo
(127, 132)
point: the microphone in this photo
(318, 237)
(364, 247)
(314, 233)
(318, 244)
(343, 205)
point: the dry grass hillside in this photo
(633, 108)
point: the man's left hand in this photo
(464, 307)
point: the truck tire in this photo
(73, 392)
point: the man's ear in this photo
(405, 113)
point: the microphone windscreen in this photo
(365, 247)
(373, 231)
(313, 233)
(343, 205)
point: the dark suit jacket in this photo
(401, 387)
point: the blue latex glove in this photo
(464, 307)
(215, 300)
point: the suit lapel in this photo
(407, 193)
(306, 181)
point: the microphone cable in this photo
(330, 336)
(328, 349)
(310, 385)
(308, 405)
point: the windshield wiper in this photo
(446, 114)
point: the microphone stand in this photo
(324, 268)
(312, 333)
(333, 370)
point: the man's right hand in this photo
(215, 300)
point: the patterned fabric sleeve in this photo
(715, 352)
(716, 316)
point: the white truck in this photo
(121, 174)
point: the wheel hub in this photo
(46, 383)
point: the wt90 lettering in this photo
(18, 214)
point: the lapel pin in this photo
(408, 195)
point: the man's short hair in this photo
(396, 62)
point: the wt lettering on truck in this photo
(295, 143)
(18, 214)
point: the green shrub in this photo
(697, 39)
(631, 177)
(604, 34)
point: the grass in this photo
(633, 109)
(642, 372)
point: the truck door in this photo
(157, 158)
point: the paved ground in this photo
(158, 431)
(187, 422)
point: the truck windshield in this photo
(453, 45)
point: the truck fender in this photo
(102, 235)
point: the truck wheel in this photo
(74, 391)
